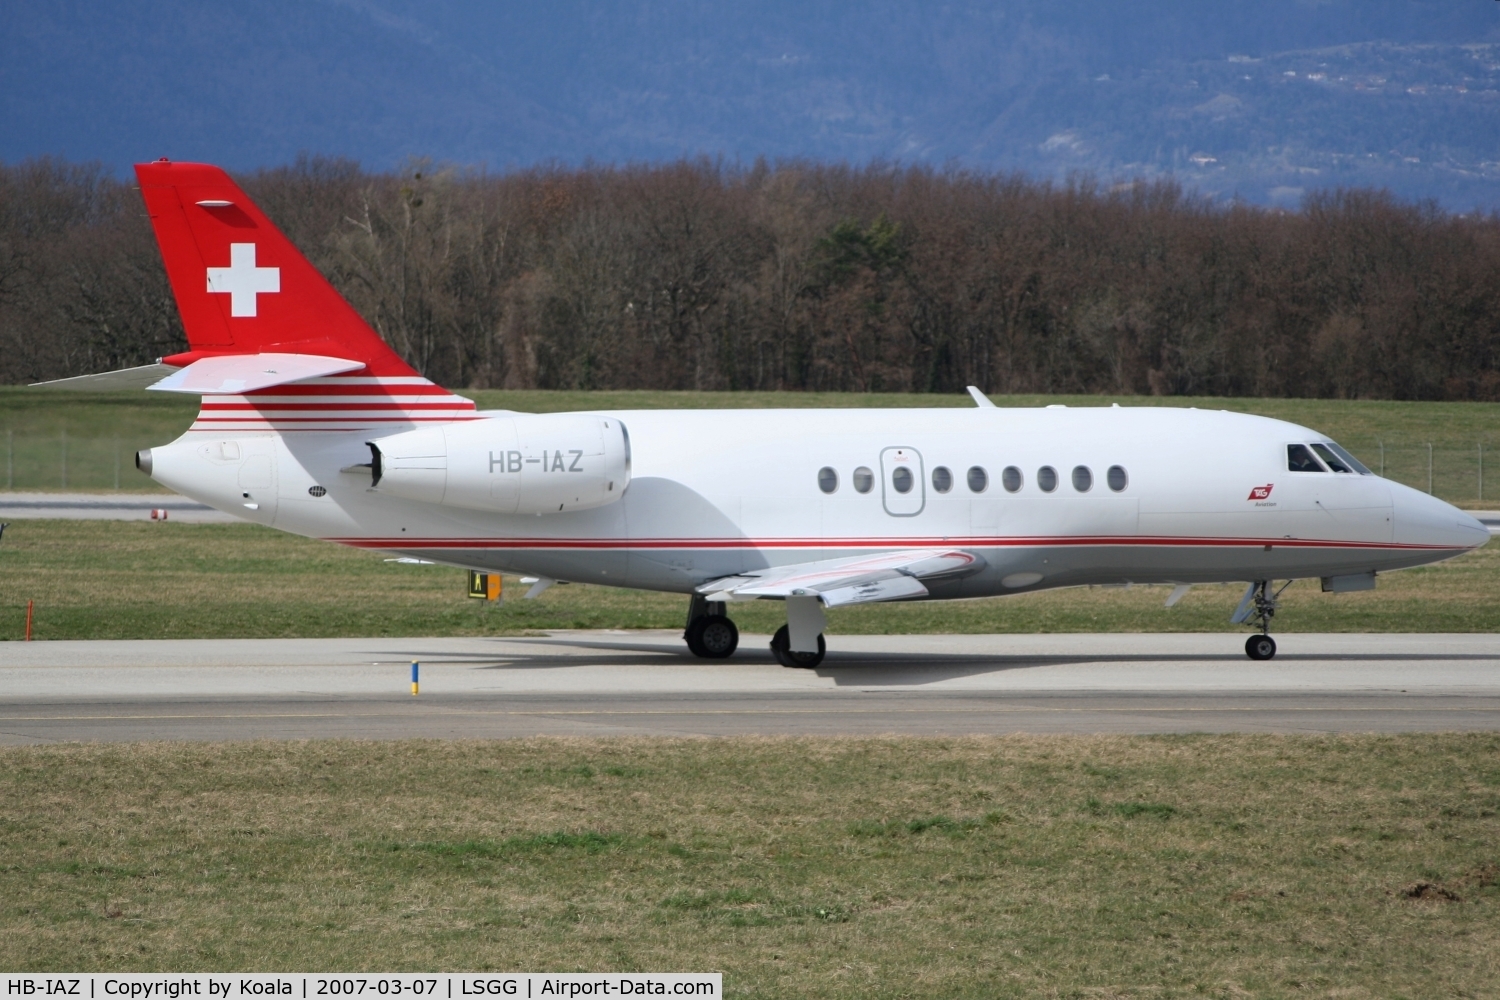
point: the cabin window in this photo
(1300, 459)
(1083, 478)
(1349, 459)
(1117, 478)
(942, 479)
(1012, 479)
(979, 480)
(902, 479)
(828, 480)
(864, 480)
(1046, 478)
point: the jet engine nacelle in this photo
(522, 464)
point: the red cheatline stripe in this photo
(353, 399)
(327, 407)
(319, 423)
(273, 395)
(366, 388)
(648, 544)
(281, 429)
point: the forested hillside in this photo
(691, 275)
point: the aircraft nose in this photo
(1421, 519)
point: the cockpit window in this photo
(1330, 459)
(1348, 459)
(1300, 459)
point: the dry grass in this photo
(118, 580)
(1020, 866)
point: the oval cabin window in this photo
(828, 480)
(1083, 478)
(1012, 479)
(1046, 478)
(864, 480)
(902, 479)
(1117, 478)
(942, 479)
(979, 480)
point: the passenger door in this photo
(902, 483)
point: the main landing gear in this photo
(799, 643)
(1257, 609)
(709, 633)
(781, 648)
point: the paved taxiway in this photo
(618, 683)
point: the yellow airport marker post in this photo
(413, 678)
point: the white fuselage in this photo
(713, 493)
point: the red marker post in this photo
(28, 621)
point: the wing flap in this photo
(893, 589)
(856, 580)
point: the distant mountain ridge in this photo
(1261, 102)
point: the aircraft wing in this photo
(889, 576)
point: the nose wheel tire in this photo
(712, 637)
(781, 648)
(1260, 647)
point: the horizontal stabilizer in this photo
(143, 377)
(234, 374)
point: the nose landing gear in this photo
(1257, 609)
(1260, 647)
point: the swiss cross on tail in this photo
(1260, 492)
(243, 287)
(242, 280)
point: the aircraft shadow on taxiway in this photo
(865, 669)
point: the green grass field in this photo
(55, 437)
(144, 580)
(1194, 866)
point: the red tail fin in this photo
(242, 287)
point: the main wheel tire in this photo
(781, 644)
(1260, 647)
(712, 637)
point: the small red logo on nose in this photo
(1260, 492)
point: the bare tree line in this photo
(696, 275)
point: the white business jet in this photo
(311, 424)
